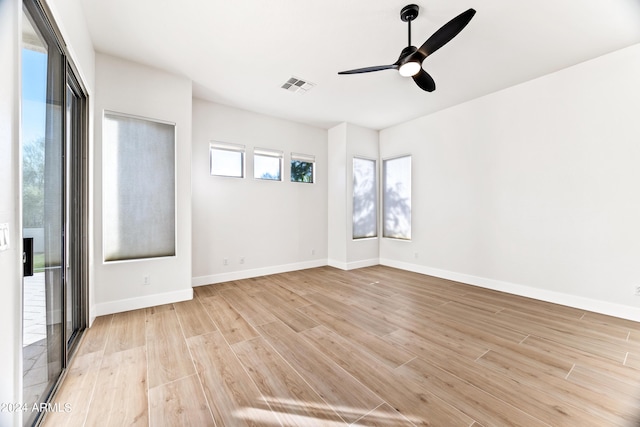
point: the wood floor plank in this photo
(349, 398)
(632, 360)
(95, 338)
(384, 416)
(479, 320)
(477, 404)
(462, 332)
(356, 315)
(538, 403)
(286, 392)
(179, 403)
(416, 403)
(193, 318)
(233, 398)
(379, 348)
(421, 344)
(149, 311)
(293, 299)
(120, 396)
(590, 316)
(248, 307)
(294, 319)
(520, 303)
(231, 323)
(253, 284)
(76, 391)
(592, 401)
(508, 361)
(299, 282)
(579, 356)
(565, 332)
(205, 291)
(626, 388)
(127, 331)
(167, 351)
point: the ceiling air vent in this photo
(295, 84)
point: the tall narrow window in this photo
(267, 164)
(226, 159)
(138, 188)
(364, 198)
(397, 198)
(302, 168)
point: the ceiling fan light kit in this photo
(409, 68)
(410, 63)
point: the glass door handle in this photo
(27, 256)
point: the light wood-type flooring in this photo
(374, 347)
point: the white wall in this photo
(346, 141)
(532, 190)
(275, 226)
(10, 260)
(131, 88)
(337, 197)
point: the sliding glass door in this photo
(75, 236)
(53, 203)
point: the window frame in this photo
(269, 153)
(230, 148)
(376, 197)
(384, 197)
(306, 158)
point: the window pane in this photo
(267, 164)
(302, 167)
(364, 198)
(301, 171)
(227, 162)
(139, 188)
(397, 198)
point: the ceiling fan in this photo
(409, 64)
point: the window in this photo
(364, 198)
(267, 164)
(302, 168)
(226, 159)
(138, 188)
(397, 198)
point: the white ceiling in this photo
(240, 52)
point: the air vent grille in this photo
(295, 84)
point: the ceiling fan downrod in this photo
(408, 14)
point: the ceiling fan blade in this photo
(425, 81)
(370, 69)
(447, 32)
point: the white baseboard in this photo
(582, 303)
(354, 264)
(141, 302)
(255, 272)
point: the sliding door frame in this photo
(75, 179)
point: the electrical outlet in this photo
(225, 261)
(146, 280)
(241, 260)
(636, 291)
